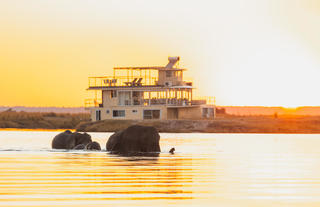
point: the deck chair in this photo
(114, 82)
(138, 83)
(131, 83)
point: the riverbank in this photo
(41, 120)
(223, 123)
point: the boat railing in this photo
(92, 102)
(169, 102)
(208, 100)
(118, 81)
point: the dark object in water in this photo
(93, 146)
(172, 150)
(134, 139)
(79, 147)
(69, 140)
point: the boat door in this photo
(98, 115)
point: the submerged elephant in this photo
(89, 146)
(69, 140)
(134, 139)
(80, 147)
(93, 146)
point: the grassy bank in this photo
(222, 124)
(266, 124)
(37, 120)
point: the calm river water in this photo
(206, 170)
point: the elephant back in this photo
(135, 138)
(64, 140)
(81, 138)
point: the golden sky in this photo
(243, 52)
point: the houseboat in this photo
(139, 93)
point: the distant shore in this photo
(41, 120)
(223, 123)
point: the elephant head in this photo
(93, 146)
(81, 138)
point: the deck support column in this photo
(176, 97)
(166, 96)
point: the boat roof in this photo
(146, 87)
(149, 68)
(170, 66)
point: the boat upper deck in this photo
(110, 83)
(142, 77)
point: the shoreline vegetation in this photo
(223, 123)
(41, 120)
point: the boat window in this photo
(124, 98)
(118, 113)
(151, 114)
(204, 112)
(113, 94)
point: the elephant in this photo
(80, 147)
(134, 139)
(89, 146)
(69, 140)
(93, 146)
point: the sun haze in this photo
(247, 52)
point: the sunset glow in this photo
(256, 53)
